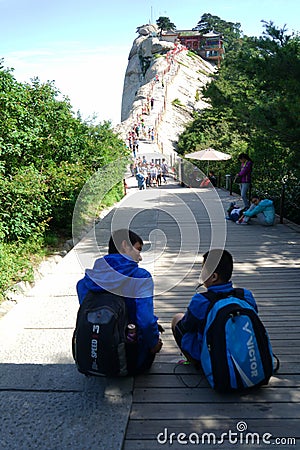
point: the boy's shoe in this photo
(241, 223)
(184, 362)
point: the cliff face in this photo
(169, 77)
(142, 64)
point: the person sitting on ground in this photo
(262, 209)
(209, 181)
(212, 178)
(205, 182)
(188, 328)
(118, 272)
(234, 212)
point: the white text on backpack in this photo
(94, 346)
(251, 351)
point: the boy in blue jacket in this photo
(118, 272)
(263, 209)
(188, 328)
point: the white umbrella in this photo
(209, 154)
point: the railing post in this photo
(228, 186)
(282, 198)
(250, 193)
(181, 172)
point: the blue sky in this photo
(83, 45)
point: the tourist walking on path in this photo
(164, 169)
(158, 175)
(152, 135)
(141, 181)
(245, 177)
(136, 145)
(153, 175)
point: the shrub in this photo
(176, 102)
(64, 182)
(24, 204)
(17, 262)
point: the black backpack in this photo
(99, 340)
(236, 353)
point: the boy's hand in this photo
(157, 347)
(160, 328)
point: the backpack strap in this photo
(276, 368)
(214, 297)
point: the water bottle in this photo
(131, 333)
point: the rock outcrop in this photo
(141, 64)
(169, 74)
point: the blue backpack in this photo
(236, 352)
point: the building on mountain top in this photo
(209, 46)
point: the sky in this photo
(83, 45)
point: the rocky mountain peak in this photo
(162, 86)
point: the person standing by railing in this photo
(244, 176)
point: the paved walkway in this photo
(174, 399)
(46, 404)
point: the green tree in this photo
(46, 156)
(164, 24)
(255, 108)
(259, 87)
(230, 31)
(36, 126)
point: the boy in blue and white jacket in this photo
(118, 272)
(188, 328)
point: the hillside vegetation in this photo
(46, 157)
(254, 101)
